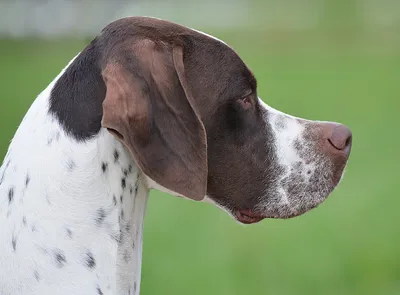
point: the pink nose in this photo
(339, 137)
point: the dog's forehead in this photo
(217, 58)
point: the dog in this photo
(148, 104)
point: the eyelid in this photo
(247, 95)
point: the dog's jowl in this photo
(147, 104)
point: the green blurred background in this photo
(325, 60)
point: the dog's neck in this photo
(71, 213)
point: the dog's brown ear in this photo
(149, 108)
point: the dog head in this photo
(186, 106)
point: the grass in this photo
(347, 246)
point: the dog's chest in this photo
(71, 213)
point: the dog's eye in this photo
(246, 102)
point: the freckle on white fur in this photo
(56, 199)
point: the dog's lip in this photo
(247, 216)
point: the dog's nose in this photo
(340, 137)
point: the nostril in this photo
(341, 137)
(348, 141)
(330, 141)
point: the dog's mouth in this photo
(248, 217)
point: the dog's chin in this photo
(251, 217)
(280, 206)
(300, 205)
(246, 216)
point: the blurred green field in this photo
(350, 245)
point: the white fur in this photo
(284, 138)
(58, 208)
(287, 129)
